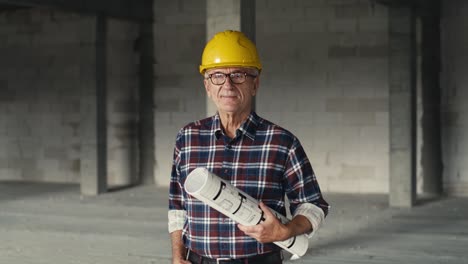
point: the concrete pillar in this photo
(402, 83)
(122, 103)
(248, 24)
(94, 134)
(228, 14)
(431, 152)
(146, 110)
(454, 94)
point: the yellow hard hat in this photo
(229, 48)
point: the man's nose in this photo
(228, 84)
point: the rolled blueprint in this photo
(237, 205)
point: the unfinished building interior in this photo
(92, 94)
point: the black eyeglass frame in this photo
(226, 75)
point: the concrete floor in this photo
(52, 223)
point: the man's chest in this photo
(253, 167)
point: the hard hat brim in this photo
(204, 68)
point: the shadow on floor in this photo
(12, 190)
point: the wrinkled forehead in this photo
(233, 69)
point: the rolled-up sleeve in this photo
(313, 213)
(302, 188)
(176, 220)
(176, 213)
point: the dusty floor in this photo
(52, 223)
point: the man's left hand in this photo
(270, 230)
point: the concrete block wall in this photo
(122, 102)
(179, 95)
(325, 78)
(48, 97)
(46, 73)
(454, 85)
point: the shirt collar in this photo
(248, 128)
(216, 126)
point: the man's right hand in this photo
(178, 249)
(180, 261)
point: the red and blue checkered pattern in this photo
(263, 160)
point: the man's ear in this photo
(256, 86)
(207, 86)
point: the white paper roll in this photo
(237, 205)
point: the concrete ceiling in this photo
(6, 7)
(140, 10)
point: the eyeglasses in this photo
(219, 78)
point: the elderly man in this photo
(255, 155)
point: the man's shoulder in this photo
(202, 124)
(269, 128)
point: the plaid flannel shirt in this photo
(263, 160)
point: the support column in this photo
(402, 84)
(431, 153)
(228, 14)
(248, 25)
(247, 21)
(94, 142)
(146, 122)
